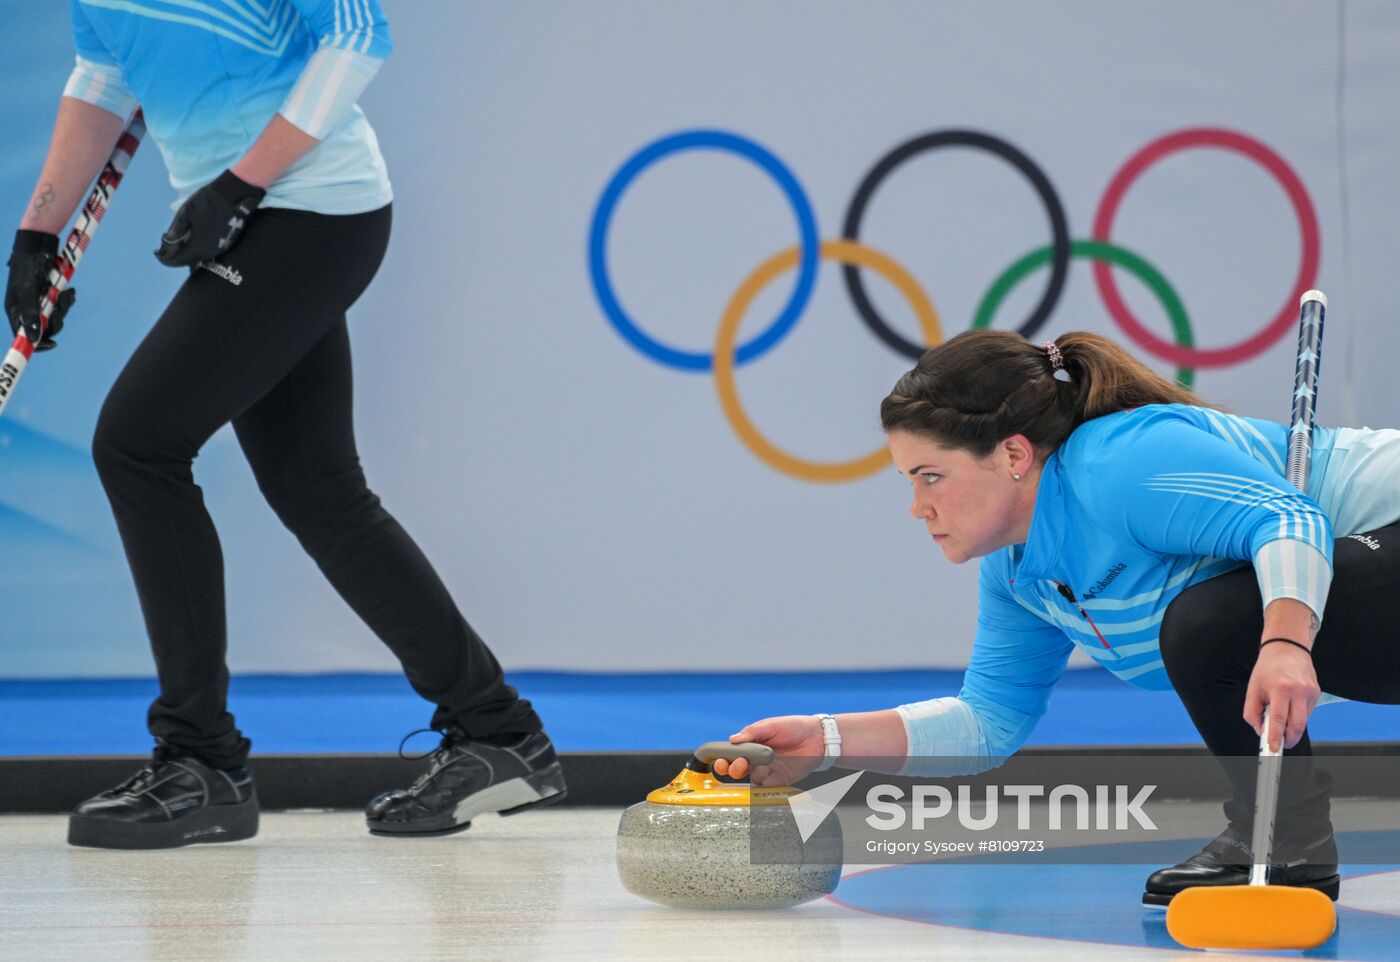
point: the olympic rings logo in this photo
(853, 255)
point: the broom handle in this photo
(17, 359)
(1312, 310)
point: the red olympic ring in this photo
(1307, 266)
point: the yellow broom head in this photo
(1251, 917)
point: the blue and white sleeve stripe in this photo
(360, 27)
(353, 41)
(102, 86)
(1298, 517)
(1287, 568)
(333, 80)
(1294, 559)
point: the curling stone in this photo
(702, 843)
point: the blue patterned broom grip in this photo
(1312, 311)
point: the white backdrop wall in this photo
(591, 506)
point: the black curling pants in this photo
(1210, 640)
(262, 342)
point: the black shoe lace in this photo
(436, 758)
(416, 758)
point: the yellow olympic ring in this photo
(846, 252)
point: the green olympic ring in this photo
(1097, 251)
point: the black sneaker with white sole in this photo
(175, 800)
(468, 777)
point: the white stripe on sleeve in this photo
(102, 86)
(1287, 568)
(328, 87)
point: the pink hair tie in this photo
(1057, 360)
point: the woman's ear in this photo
(1020, 453)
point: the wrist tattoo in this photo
(43, 198)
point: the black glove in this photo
(31, 259)
(209, 223)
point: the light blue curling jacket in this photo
(1133, 509)
(211, 74)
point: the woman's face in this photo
(971, 506)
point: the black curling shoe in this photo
(175, 800)
(468, 777)
(1226, 861)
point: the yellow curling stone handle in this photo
(696, 784)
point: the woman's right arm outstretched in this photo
(873, 737)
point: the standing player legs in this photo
(228, 337)
(262, 343)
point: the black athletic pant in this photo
(1210, 641)
(262, 342)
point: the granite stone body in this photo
(725, 856)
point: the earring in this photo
(1016, 477)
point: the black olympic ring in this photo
(1059, 227)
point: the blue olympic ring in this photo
(602, 218)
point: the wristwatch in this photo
(831, 739)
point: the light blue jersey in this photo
(1133, 509)
(210, 75)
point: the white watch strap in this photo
(831, 741)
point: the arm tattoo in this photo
(42, 199)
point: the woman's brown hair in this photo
(982, 386)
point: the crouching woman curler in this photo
(1116, 513)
